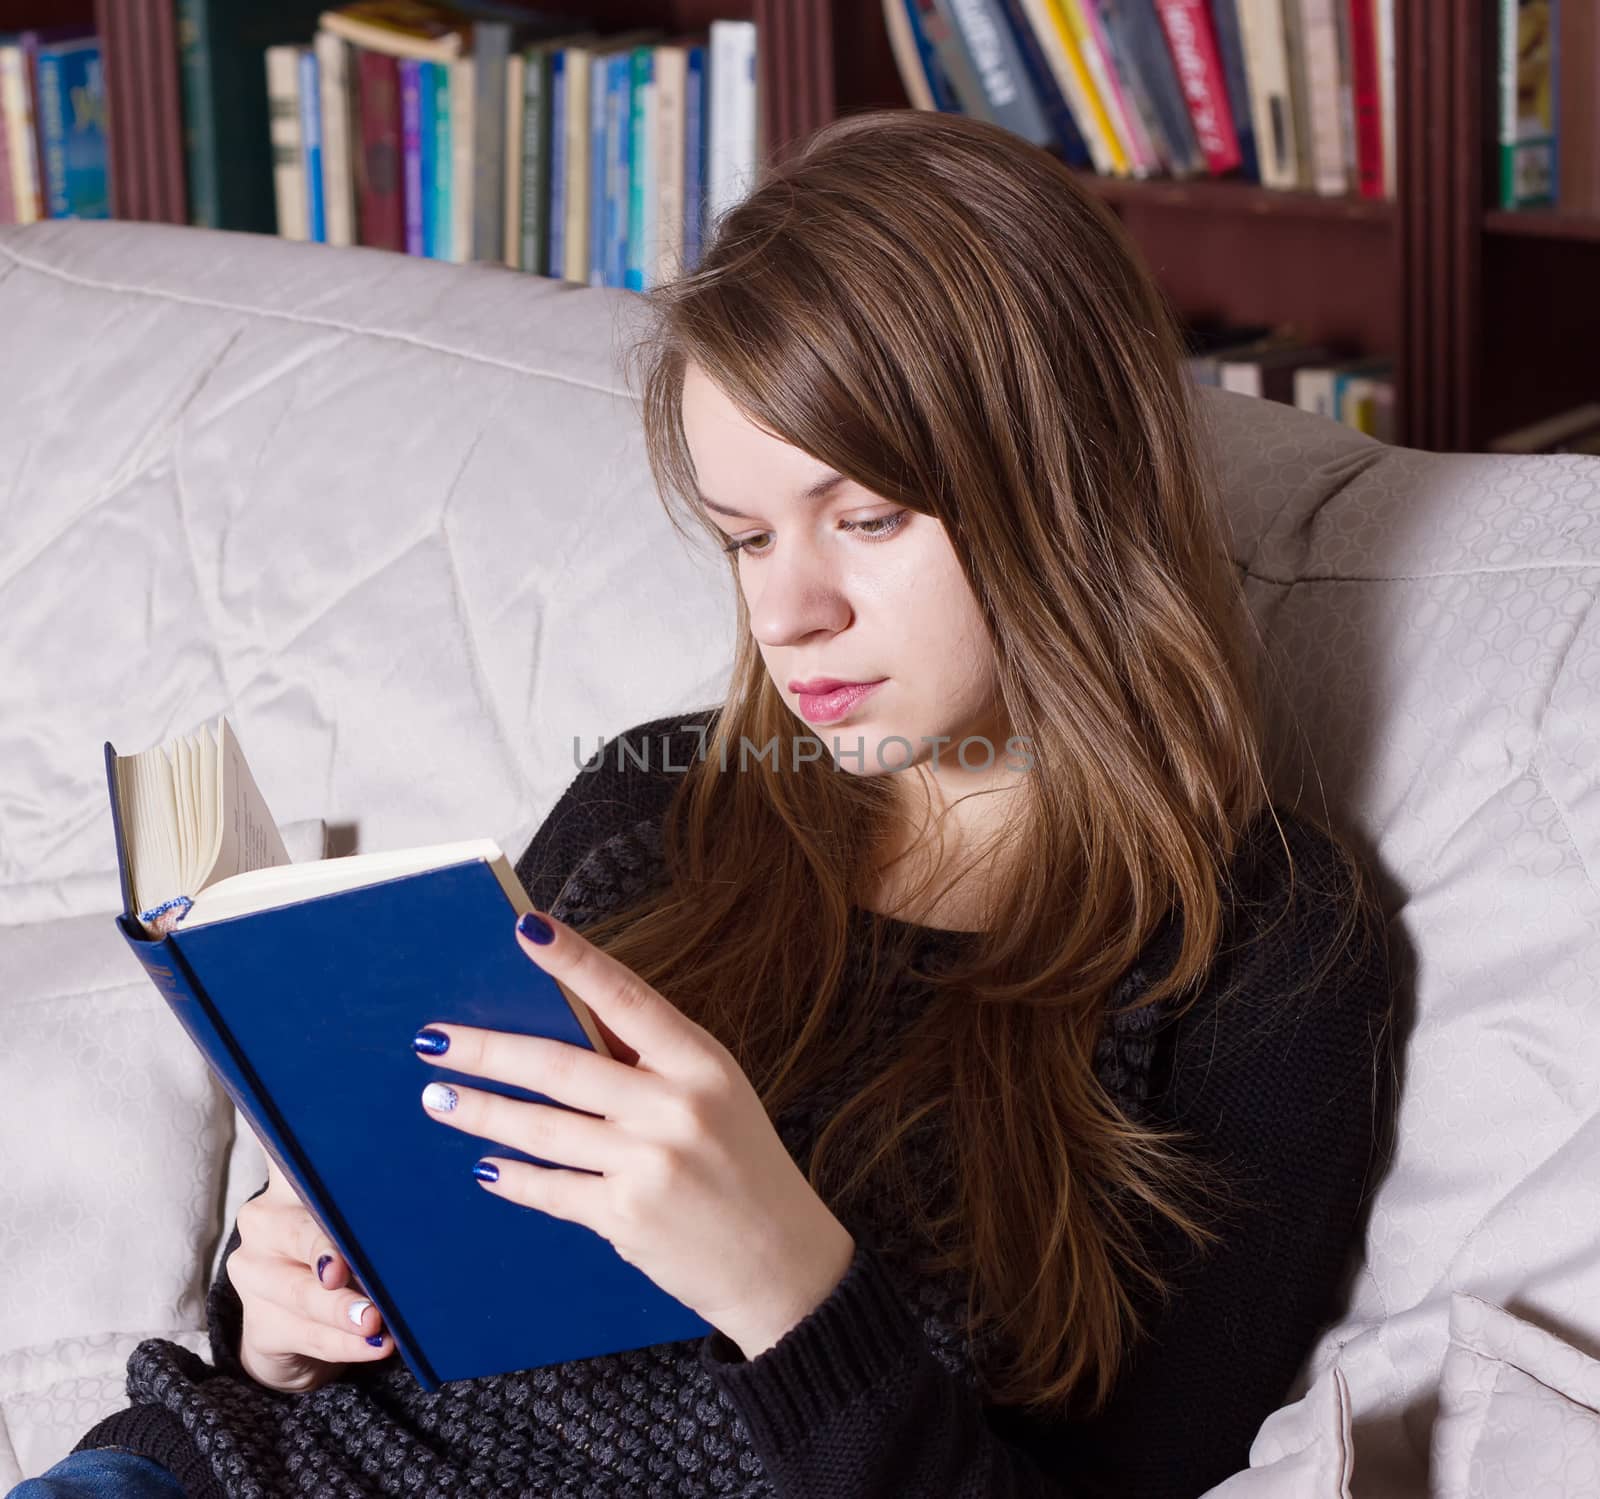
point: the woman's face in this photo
(843, 586)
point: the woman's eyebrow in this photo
(819, 489)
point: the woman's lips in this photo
(836, 702)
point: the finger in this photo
(666, 1040)
(289, 1286)
(560, 1070)
(277, 1333)
(545, 1130)
(563, 1194)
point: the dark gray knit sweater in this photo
(875, 1392)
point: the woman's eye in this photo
(748, 544)
(875, 529)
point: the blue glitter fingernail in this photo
(486, 1171)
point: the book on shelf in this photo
(1529, 172)
(301, 985)
(1293, 94)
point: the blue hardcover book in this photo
(556, 228)
(428, 156)
(438, 160)
(619, 164)
(302, 985)
(311, 138)
(641, 181)
(72, 130)
(695, 116)
(411, 148)
(597, 169)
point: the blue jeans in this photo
(101, 1473)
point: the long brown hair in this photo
(938, 310)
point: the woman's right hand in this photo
(299, 1332)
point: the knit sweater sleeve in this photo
(1282, 1081)
(629, 779)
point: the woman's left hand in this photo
(695, 1187)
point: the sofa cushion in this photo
(1519, 1410)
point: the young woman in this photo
(995, 1068)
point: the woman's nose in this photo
(794, 597)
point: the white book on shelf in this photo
(338, 167)
(463, 85)
(1319, 40)
(670, 143)
(1386, 91)
(732, 136)
(1271, 105)
(288, 159)
(516, 85)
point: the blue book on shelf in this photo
(427, 157)
(311, 137)
(556, 227)
(597, 170)
(72, 130)
(619, 164)
(411, 147)
(641, 181)
(1225, 21)
(695, 117)
(305, 1010)
(1057, 111)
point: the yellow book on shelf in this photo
(1097, 123)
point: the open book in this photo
(302, 986)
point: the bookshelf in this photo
(1490, 316)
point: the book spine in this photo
(288, 164)
(185, 996)
(578, 176)
(333, 64)
(1194, 54)
(491, 45)
(1294, 52)
(311, 134)
(597, 171)
(382, 201)
(438, 161)
(641, 79)
(1230, 46)
(1319, 41)
(1529, 169)
(463, 180)
(619, 166)
(694, 159)
(411, 149)
(935, 81)
(535, 162)
(1366, 101)
(1386, 92)
(25, 166)
(53, 133)
(1261, 24)
(170, 204)
(199, 115)
(427, 161)
(556, 227)
(516, 97)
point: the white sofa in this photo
(393, 517)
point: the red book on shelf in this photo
(382, 215)
(1365, 97)
(1193, 45)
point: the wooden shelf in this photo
(1221, 195)
(1531, 224)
